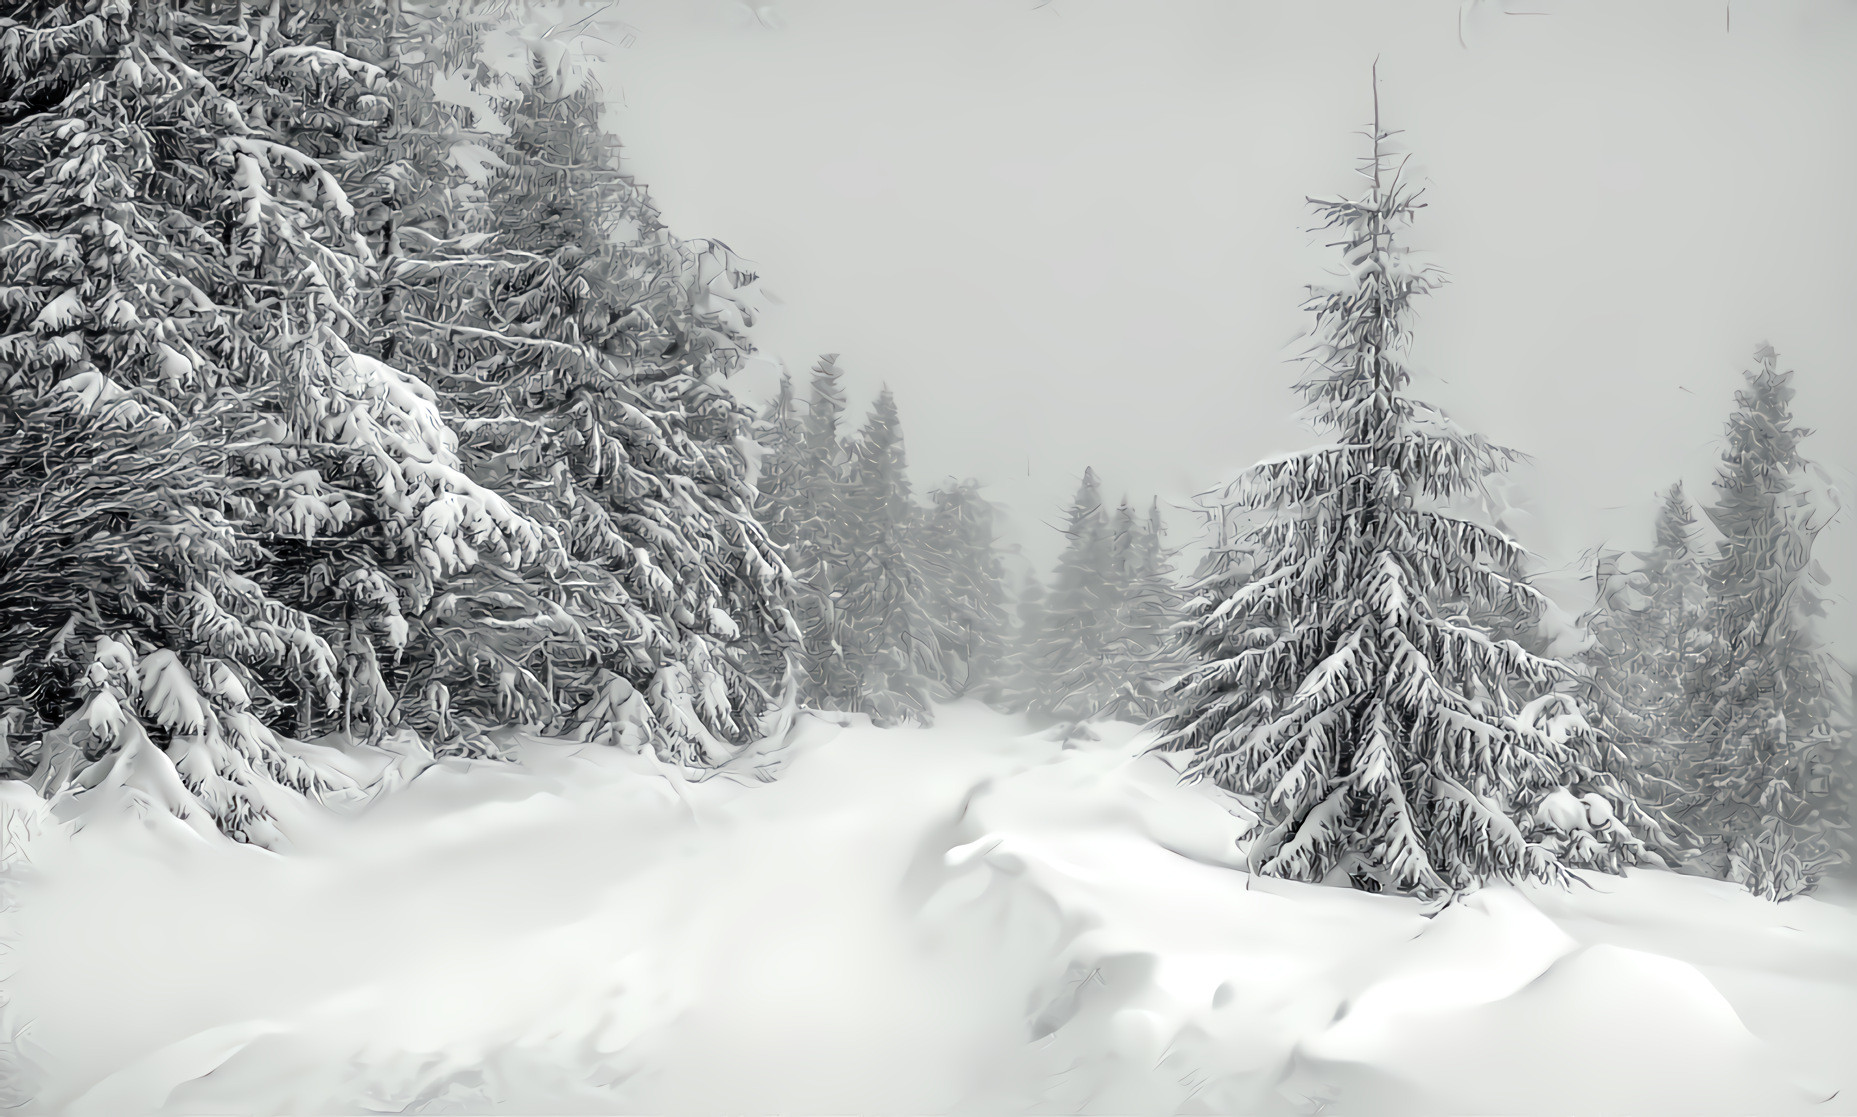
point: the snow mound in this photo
(1605, 1029)
(964, 918)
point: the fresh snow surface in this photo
(969, 918)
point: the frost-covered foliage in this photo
(1648, 637)
(1770, 718)
(779, 435)
(1144, 650)
(1338, 678)
(585, 348)
(881, 589)
(1066, 672)
(804, 494)
(967, 581)
(181, 274)
(332, 416)
(220, 765)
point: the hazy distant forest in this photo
(355, 395)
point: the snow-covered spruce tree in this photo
(1619, 696)
(417, 184)
(588, 348)
(1125, 654)
(1387, 739)
(397, 154)
(352, 540)
(968, 590)
(1674, 615)
(1766, 700)
(827, 676)
(1070, 651)
(377, 508)
(780, 435)
(420, 188)
(1647, 638)
(1146, 656)
(182, 280)
(881, 590)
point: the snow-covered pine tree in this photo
(1070, 652)
(780, 435)
(588, 348)
(1648, 636)
(1766, 699)
(1126, 654)
(420, 189)
(504, 645)
(881, 590)
(1388, 740)
(183, 279)
(1675, 613)
(968, 590)
(1621, 660)
(387, 143)
(378, 508)
(1150, 607)
(828, 678)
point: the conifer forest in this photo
(459, 654)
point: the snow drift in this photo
(962, 919)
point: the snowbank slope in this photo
(965, 919)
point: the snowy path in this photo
(922, 921)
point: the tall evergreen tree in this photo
(779, 482)
(1647, 636)
(579, 337)
(183, 375)
(1766, 699)
(821, 548)
(881, 589)
(1150, 608)
(968, 591)
(781, 435)
(1620, 698)
(1674, 612)
(1127, 653)
(1070, 652)
(1386, 736)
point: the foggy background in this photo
(1074, 233)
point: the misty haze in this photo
(986, 556)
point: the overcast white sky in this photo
(1073, 233)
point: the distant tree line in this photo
(903, 604)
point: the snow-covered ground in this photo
(963, 919)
